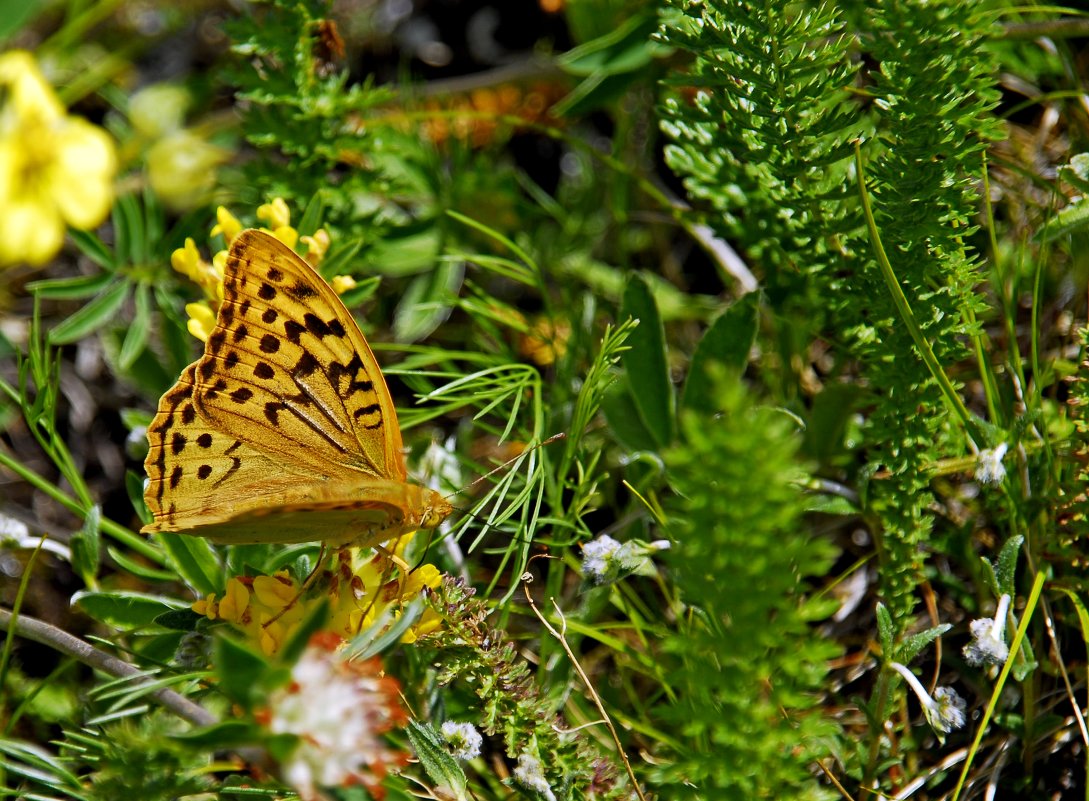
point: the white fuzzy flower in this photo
(944, 712)
(598, 562)
(12, 530)
(338, 710)
(989, 467)
(462, 739)
(988, 645)
(530, 774)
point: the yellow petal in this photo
(235, 601)
(424, 576)
(226, 224)
(29, 94)
(274, 592)
(286, 234)
(202, 320)
(31, 231)
(186, 259)
(340, 283)
(81, 178)
(276, 214)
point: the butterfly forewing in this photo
(288, 369)
(284, 430)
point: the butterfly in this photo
(284, 430)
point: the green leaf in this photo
(134, 486)
(1069, 220)
(338, 260)
(70, 288)
(440, 767)
(646, 361)
(14, 14)
(136, 336)
(885, 631)
(219, 736)
(94, 249)
(138, 568)
(361, 292)
(128, 224)
(623, 418)
(426, 303)
(90, 318)
(311, 218)
(913, 645)
(180, 620)
(727, 343)
(123, 609)
(623, 49)
(86, 547)
(1076, 173)
(1006, 569)
(315, 619)
(408, 250)
(592, 93)
(195, 561)
(242, 672)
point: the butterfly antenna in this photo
(505, 465)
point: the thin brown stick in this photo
(561, 637)
(41, 632)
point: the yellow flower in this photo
(209, 275)
(181, 169)
(226, 224)
(187, 261)
(545, 340)
(359, 588)
(276, 213)
(55, 170)
(342, 283)
(316, 246)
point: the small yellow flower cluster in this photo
(209, 275)
(268, 609)
(55, 170)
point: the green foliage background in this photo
(798, 269)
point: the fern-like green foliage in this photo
(933, 93)
(762, 135)
(760, 128)
(746, 664)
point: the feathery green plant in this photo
(747, 668)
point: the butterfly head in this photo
(435, 509)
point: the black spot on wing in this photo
(293, 330)
(306, 365)
(301, 291)
(316, 326)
